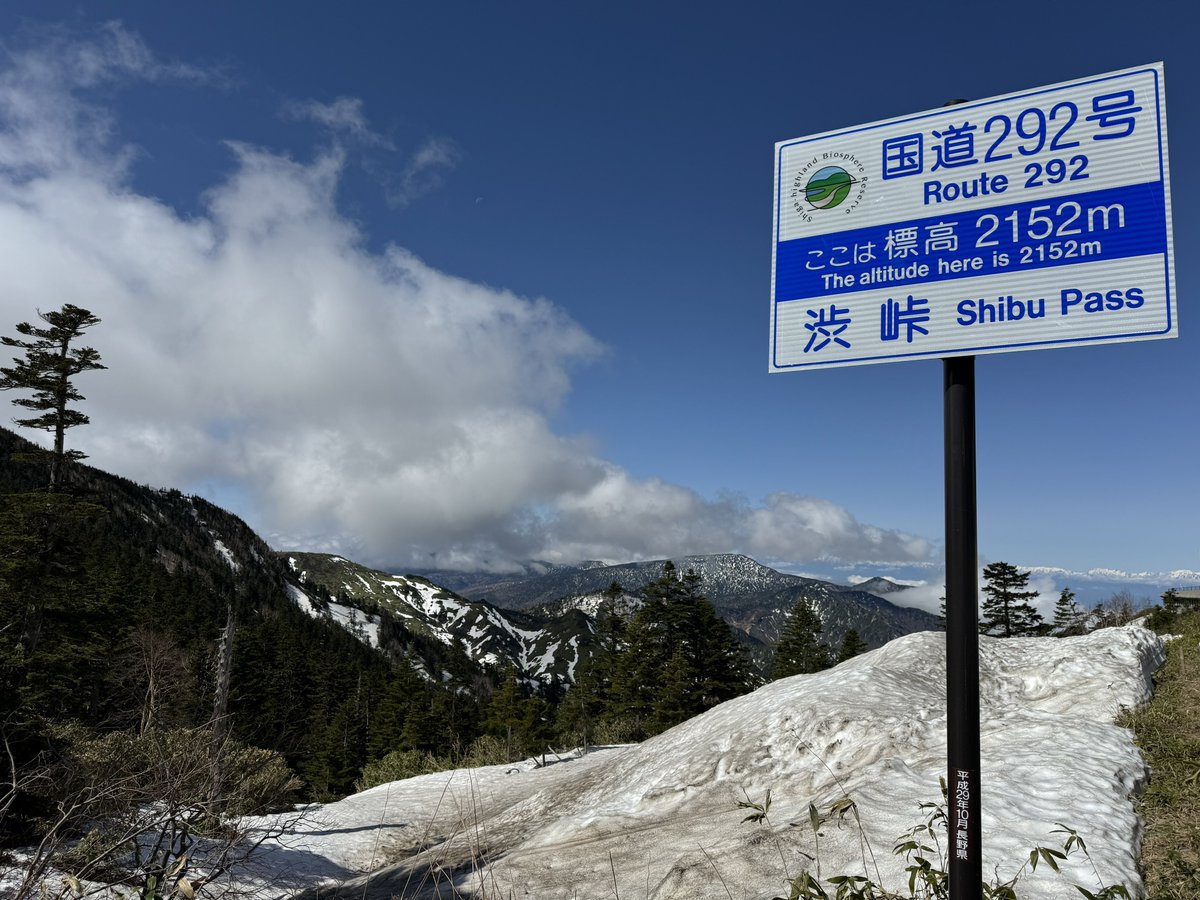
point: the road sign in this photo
(1038, 219)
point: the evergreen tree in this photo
(401, 690)
(588, 697)
(1170, 599)
(675, 701)
(420, 725)
(852, 645)
(800, 651)
(1068, 617)
(456, 712)
(1163, 618)
(1006, 609)
(340, 752)
(517, 717)
(58, 624)
(677, 633)
(47, 369)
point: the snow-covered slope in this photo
(660, 820)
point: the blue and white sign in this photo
(1034, 220)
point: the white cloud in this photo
(424, 171)
(926, 596)
(43, 123)
(345, 117)
(358, 401)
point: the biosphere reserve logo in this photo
(828, 188)
(835, 180)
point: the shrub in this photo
(400, 764)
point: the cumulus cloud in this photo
(340, 398)
(618, 513)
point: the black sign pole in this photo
(962, 631)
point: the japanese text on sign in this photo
(1032, 220)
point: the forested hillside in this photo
(113, 601)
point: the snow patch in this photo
(227, 553)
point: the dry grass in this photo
(1168, 732)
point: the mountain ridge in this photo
(751, 596)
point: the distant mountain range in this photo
(750, 596)
(542, 622)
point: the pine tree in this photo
(47, 369)
(676, 701)
(55, 624)
(1006, 610)
(420, 730)
(588, 697)
(799, 651)
(1170, 599)
(676, 620)
(401, 691)
(516, 717)
(1068, 617)
(852, 645)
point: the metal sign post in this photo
(962, 631)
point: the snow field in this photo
(660, 820)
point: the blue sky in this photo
(461, 284)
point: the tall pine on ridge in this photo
(47, 369)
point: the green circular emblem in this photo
(828, 187)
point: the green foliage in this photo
(54, 610)
(799, 651)
(401, 764)
(112, 597)
(922, 850)
(674, 659)
(138, 802)
(1006, 608)
(517, 717)
(1168, 732)
(581, 714)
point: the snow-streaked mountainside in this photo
(544, 625)
(660, 820)
(539, 648)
